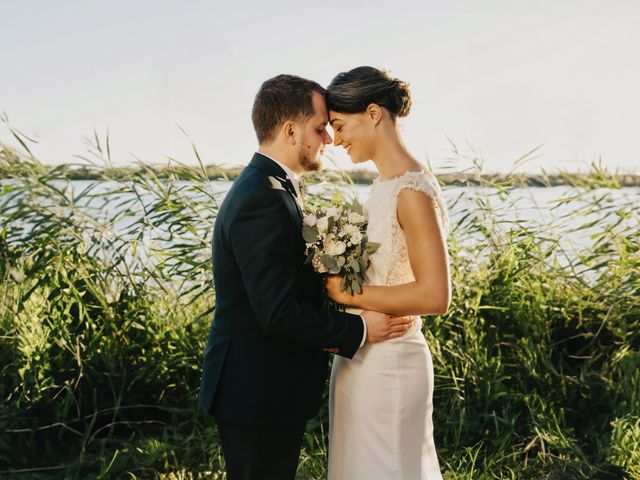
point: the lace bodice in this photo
(390, 264)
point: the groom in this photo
(265, 363)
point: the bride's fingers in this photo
(402, 325)
(398, 328)
(395, 334)
(401, 321)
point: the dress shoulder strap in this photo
(427, 183)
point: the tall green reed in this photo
(103, 325)
(107, 298)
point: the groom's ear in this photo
(375, 113)
(289, 129)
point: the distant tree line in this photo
(595, 176)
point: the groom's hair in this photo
(282, 98)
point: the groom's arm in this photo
(261, 236)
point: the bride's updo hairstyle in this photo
(355, 90)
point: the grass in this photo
(106, 300)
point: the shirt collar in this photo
(290, 173)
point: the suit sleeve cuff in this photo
(364, 331)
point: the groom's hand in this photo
(381, 326)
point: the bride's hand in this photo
(332, 284)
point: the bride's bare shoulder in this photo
(419, 194)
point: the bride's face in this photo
(352, 132)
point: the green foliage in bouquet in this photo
(336, 240)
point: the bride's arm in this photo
(431, 291)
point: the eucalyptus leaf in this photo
(309, 258)
(329, 262)
(363, 266)
(357, 207)
(372, 247)
(309, 234)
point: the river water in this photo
(563, 209)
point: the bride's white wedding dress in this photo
(381, 400)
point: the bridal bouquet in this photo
(336, 242)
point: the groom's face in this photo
(314, 135)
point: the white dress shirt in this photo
(294, 178)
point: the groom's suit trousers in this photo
(260, 453)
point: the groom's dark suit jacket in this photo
(264, 364)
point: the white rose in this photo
(356, 238)
(350, 230)
(353, 232)
(322, 224)
(335, 248)
(310, 220)
(340, 248)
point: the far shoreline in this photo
(594, 177)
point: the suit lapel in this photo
(292, 205)
(273, 170)
(295, 198)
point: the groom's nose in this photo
(326, 138)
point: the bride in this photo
(381, 400)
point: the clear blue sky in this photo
(503, 76)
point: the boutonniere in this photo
(277, 183)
